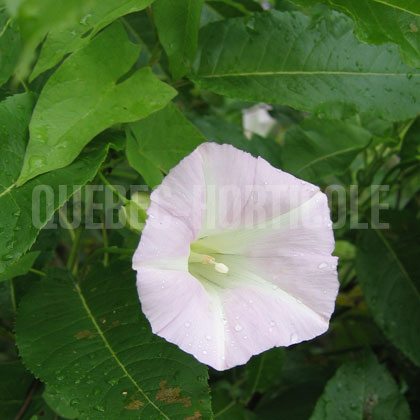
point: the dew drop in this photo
(272, 323)
(323, 265)
(238, 327)
(187, 325)
(208, 337)
(245, 337)
(204, 351)
(99, 408)
(293, 337)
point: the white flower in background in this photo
(235, 257)
(257, 120)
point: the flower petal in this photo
(182, 311)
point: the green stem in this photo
(12, 295)
(75, 247)
(112, 188)
(67, 223)
(106, 242)
(35, 271)
(5, 27)
(130, 29)
(223, 410)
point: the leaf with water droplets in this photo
(61, 42)
(21, 267)
(91, 91)
(379, 22)
(309, 63)
(362, 389)
(132, 374)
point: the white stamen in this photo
(221, 268)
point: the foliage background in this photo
(117, 92)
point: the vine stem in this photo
(27, 400)
(112, 188)
(73, 252)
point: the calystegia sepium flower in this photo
(235, 257)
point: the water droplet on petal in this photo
(293, 338)
(323, 265)
(208, 337)
(238, 327)
(187, 325)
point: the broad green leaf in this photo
(100, 14)
(318, 147)
(387, 271)
(177, 23)
(9, 46)
(157, 143)
(90, 341)
(309, 63)
(359, 390)
(379, 22)
(21, 267)
(91, 91)
(409, 6)
(37, 17)
(18, 229)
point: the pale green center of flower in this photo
(196, 257)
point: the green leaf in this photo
(18, 228)
(15, 384)
(15, 381)
(379, 22)
(318, 147)
(59, 404)
(386, 266)
(177, 23)
(9, 46)
(263, 371)
(37, 17)
(91, 342)
(362, 390)
(305, 62)
(157, 143)
(100, 14)
(21, 267)
(234, 8)
(89, 93)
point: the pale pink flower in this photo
(235, 257)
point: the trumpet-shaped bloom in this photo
(235, 257)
